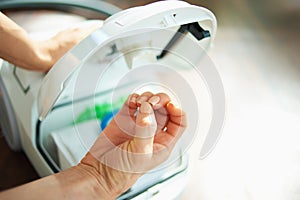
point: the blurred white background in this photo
(257, 53)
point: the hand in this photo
(140, 137)
(52, 50)
(19, 49)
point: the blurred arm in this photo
(18, 48)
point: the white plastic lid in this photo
(164, 15)
(159, 35)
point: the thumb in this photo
(145, 128)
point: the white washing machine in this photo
(152, 47)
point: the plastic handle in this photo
(95, 5)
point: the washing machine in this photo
(55, 117)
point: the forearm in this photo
(78, 182)
(17, 47)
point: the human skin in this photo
(19, 49)
(122, 153)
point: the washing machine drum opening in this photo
(134, 64)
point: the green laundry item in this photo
(99, 111)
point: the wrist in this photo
(81, 182)
(88, 184)
(44, 55)
(78, 182)
(102, 179)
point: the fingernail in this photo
(141, 99)
(173, 105)
(145, 108)
(154, 100)
(170, 104)
(133, 99)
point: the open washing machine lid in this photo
(155, 36)
(139, 20)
